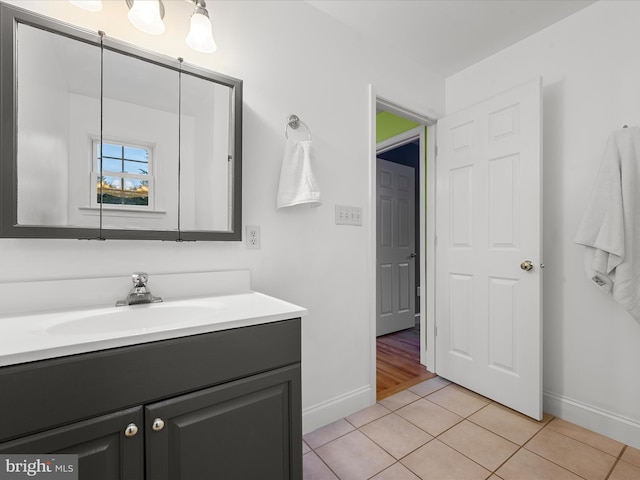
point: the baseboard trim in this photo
(335, 408)
(618, 427)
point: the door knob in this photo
(158, 424)
(413, 255)
(131, 430)
(527, 265)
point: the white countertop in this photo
(26, 338)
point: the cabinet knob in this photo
(158, 424)
(131, 430)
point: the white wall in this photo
(591, 71)
(293, 59)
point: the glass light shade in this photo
(90, 5)
(200, 36)
(145, 16)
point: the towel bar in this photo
(294, 122)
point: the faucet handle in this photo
(140, 279)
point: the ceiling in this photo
(447, 36)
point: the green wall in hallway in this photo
(389, 125)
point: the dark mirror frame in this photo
(10, 17)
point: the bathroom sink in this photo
(59, 333)
(134, 318)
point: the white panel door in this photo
(396, 281)
(488, 222)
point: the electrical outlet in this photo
(253, 237)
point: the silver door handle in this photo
(527, 265)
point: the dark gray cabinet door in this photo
(104, 452)
(246, 429)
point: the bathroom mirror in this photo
(102, 140)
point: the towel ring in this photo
(294, 122)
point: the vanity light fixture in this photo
(200, 36)
(147, 15)
(90, 5)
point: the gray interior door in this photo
(395, 279)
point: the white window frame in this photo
(95, 173)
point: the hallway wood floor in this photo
(398, 362)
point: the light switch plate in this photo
(348, 215)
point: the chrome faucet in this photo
(140, 293)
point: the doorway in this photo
(506, 333)
(400, 328)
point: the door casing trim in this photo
(427, 230)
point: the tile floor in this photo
(438, 430)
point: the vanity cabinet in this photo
(218, 405)
(236, 430)
(104, 453)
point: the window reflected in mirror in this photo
(140, 108)
(122, 175)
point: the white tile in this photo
(429, 386)
(328, 433)
(368, 415)
(396, 435)
(313, 468)
(355, 457)
(399, 400)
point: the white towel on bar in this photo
(297, 182)
(610, 228)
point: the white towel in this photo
(297, 182)
(610, 228)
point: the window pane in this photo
(111, 165)
(132, 184)
(111, 183)
(136, 191)
(121, 191)
(111, 150)
(132, 153)
(111, 188)
(136, 167)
